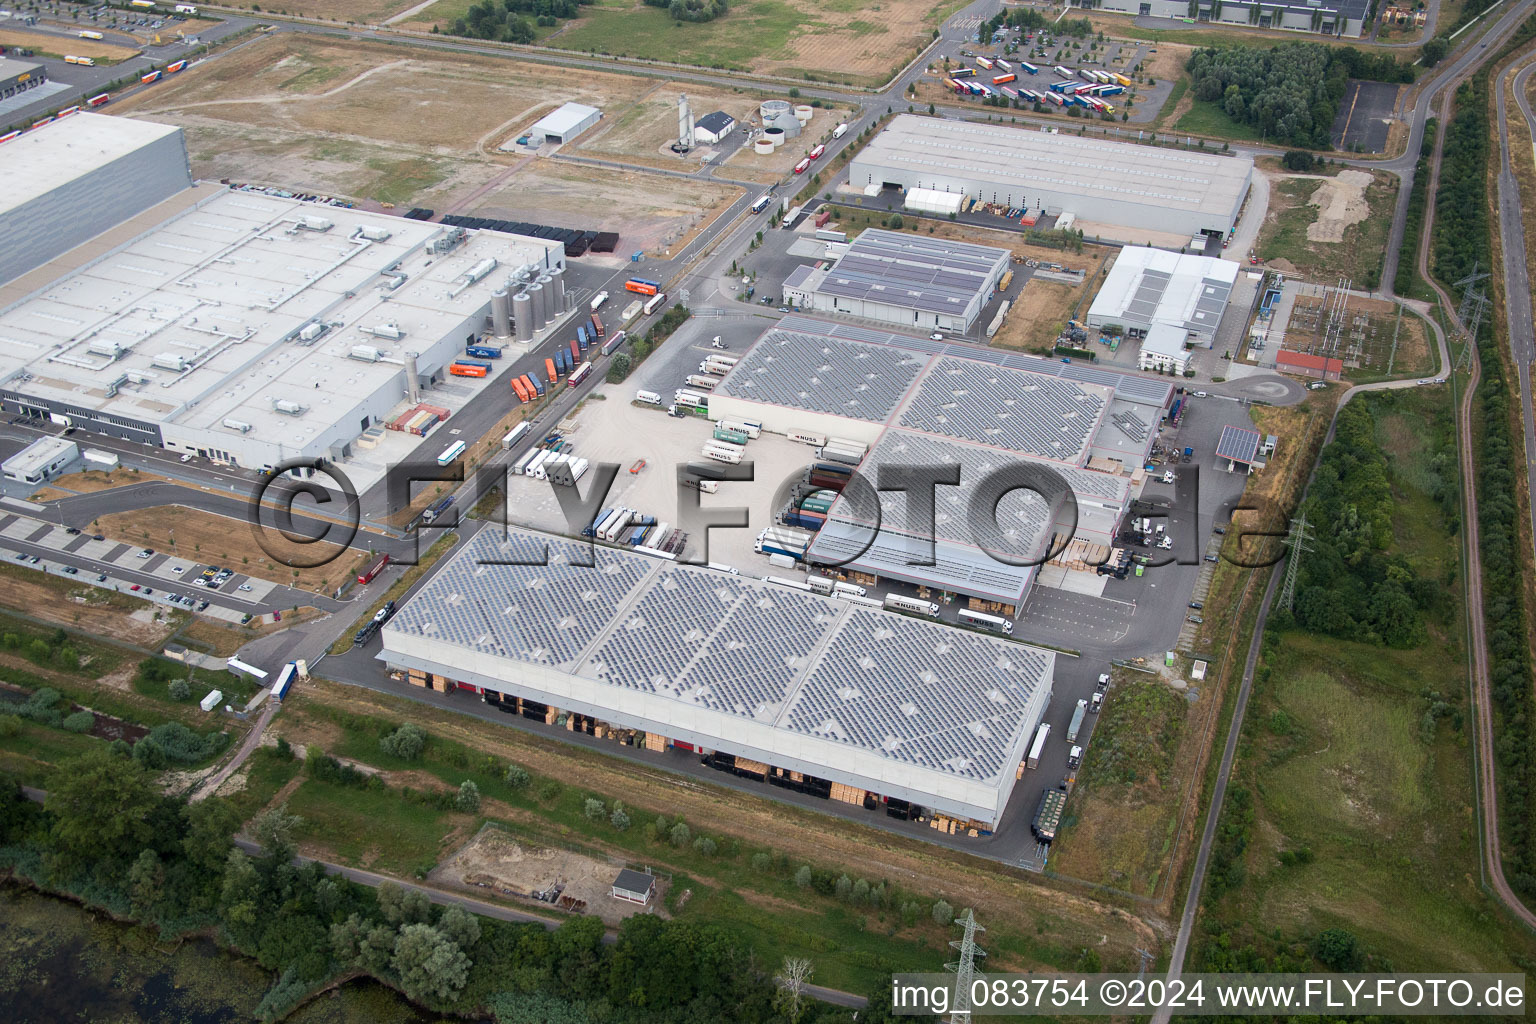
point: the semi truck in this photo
(611, 345)
(598, 300)
(721, 453)
(1048, 814)
(1078, 714)
(699, 380)
(839, 131)
(1038, 746)
(984, 621)
(912, 604)
(483, 351)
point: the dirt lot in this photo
(57, 46)
(643, 131)
(377, 125)
(495, 860)
(1323, 227)
(206, 537)
(86, 607)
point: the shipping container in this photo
(1029, 68)
(1048, 814)
(912, 604)
(699, 380)
(482, 351)
(823, 217)
(612, 344)
(96, 101)
(985, 621)
(576, 350)
(641, 286)
(597, 325)
(467, 368)
(580, 374)
(730, 436)
(984, 62)
(1038, 746)
(816, 440)
(1000, 79)
(963, 73)
(721, 453)
(648, 397)
(549, 368)
(655, 302)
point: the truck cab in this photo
(1075, 757)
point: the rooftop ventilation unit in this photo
(103, 347)
(311, 330)
(289, 408)
(316, 223)
(240, 425)
(375, 234)
(390, 331)
(480, 269)
(169, 361)
(365, 353)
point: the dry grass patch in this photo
(86, 607)
(216, 539)
(59, 46)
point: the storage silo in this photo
(762, 146)
(536, 294)
(501, 313)
(774, 137)
(522, 316)
(550, 309)
(770, 109)
(803, 113)
(557, 300)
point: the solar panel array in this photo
(800, 370)
(546, 609)
(892, 684)
(692, 638)
(1006, 408)
(914, 271)
(1130, 387)
(1130, 425)
(1238, 443)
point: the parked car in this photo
(135, 587)
(146, 552)
(178, 569)
(245, 586)
(71, 570)
(71, 530)
(101, 577)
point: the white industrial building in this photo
(713, 127)
(806, 688)
(1133, 187)
(1146, 287)
(907, 280)
(251, 329)
(927, 403)
(1164, 349)
(40, 461)
(565, 123)
(1327, 17)
(68, 180)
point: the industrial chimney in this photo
(684, 123)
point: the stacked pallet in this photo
(417, 677)
(847, 794)
(655, 741)
(865, 579)
(550, 714)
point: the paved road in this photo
(1517, 281)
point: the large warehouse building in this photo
(1328, 17)
(566, 122)
(71, 179)
(861, 704)
(1120, 184)
(927, 403)
(908, 280)
(247, 328)
(1148, 287)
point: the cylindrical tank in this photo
(803, 113)
(772, 108)
(557, 281)
(764, 146)
(774, 137)
(501, 313)
(550, 309)
(522, 316)
(412, 379)
(536, 294)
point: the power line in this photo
(1296, 542)
(965, 970)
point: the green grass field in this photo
(1207, 118)
(1358, 257)
(1357, 759)
(853, 947)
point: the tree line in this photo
(1291, 92)
(692, 10)
(174, 867)
(1463, 238)
(513, 21)
(1351, 585)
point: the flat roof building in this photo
(1153, 286)
(1240, 447)
(920, 402)
(634, 886)
(40, 461)
(1304, 364)
(1165, 348)
(70, 179)
(1133, 187)
(251, 329)
(907, 280)
(17, 76)
(816, 687)
(565, 123)
(1326, 17)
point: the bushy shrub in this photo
(80, 721)
(179, 690)
(406, 742)
(516, 776)
(174, 743)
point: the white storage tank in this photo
(764, 145)
(522, 316)
(773, 108)
(774, 137)
(803, 113)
